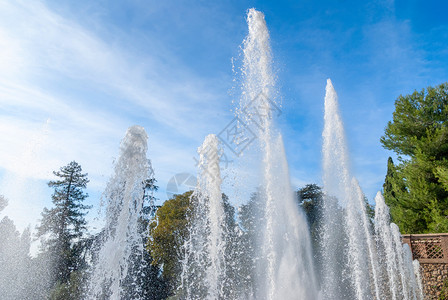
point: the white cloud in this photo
(55, 47)
(68, 94)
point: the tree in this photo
(233, 252)
(197, 261)
(252, 218)
(388, 190)
(72, 290)
(310, 198)
(416, 188)
(3, 202)
(14, 261)
(419, 122)
(63, 226)
(393, 188)
(168, 233)
(144, 280)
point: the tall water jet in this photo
(370, 260)
(397, 266)
(285, 269)
(413, 278)
(341, 213)
(396, 237)
(121, 236)
(203, 269)
(419, 285)
(358, 260)
(385, 241)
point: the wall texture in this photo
(433, 277)
(431, 250)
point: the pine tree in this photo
(416, 189)
(63, 226)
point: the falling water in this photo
(384, 236)
(203, 269)
(414, 278)
(210, 182)
(402, 279)
(419, 285)
(285, 260)
(124, 196)
(257, 90)
(360, 259)
(343, 213)
(396, 236)
(365, 235)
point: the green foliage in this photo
(70, 290)
(63, 226)
(310, 198)
(442, 175)
(389, 186)
(170, 230)
(167, 234)
(144, 280)
(416, 190)
(444, 290)
(419, 122)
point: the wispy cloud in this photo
(67, 94)
(72, 80)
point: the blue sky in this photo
(74, 75)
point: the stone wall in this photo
(431, 250)
(433, 279)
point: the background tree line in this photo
(415, 188)
(67, 251)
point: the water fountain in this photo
(360, 258)
(285, 258)
(203, 271)
(121, 236)
(356, 258)
(284, 264)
